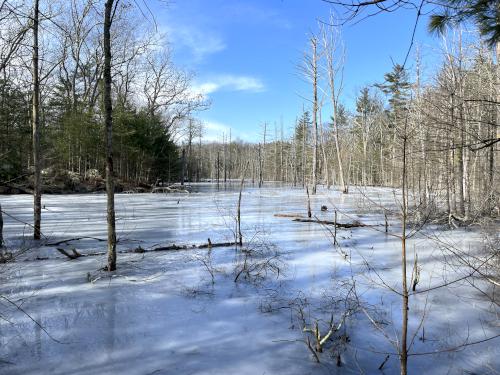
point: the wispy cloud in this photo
(228, 82)
(199, 43)
(260, 14)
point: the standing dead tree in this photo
(309, 69)
(239, 235)
(314, 66)
(309, 213)
(334, 56)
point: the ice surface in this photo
(160, 314)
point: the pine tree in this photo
(485, 14)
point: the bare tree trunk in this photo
(309, 214)
(282, 175)
(404, 332)
(217, 172)
(230, 157)
(330, 47)
(1, 226)
(315, 113)
(239, 238)
(448, 178)
(381, 155)
(108, 119)
(323, 151)
(261, 181)
(365, 162)
(460, 174)
(225, 158)
(37, 190)
(491, 157)
(276, 177)
(263, 157)
(304, 160)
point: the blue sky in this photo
(245, 53)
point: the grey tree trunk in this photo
(225, 158)
(239, 235)
(304, 160)
(493, 135)
(1, 226)
(218, 169)
(261, 178)
(315, 114)
(343, 184)
(108, 120)
(323, 151)
(403, 350)
(460, 173)
(37, 191)
(263, 157)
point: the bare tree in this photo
(1, 227)
(334, 55)
(168, 91)
(314, 72)
(109, 9)
(37, 188)
(14, 31)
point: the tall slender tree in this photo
(314, 72)
(37, 188)
(109, 8)
(334, 55)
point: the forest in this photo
(361, 237)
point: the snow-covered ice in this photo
(161, 314)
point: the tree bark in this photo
(1, 226)
(37, 191)
(108, 119)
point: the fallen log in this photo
(139, 250)
(355, 224)
(289, 215)
(162, 248)
(220, 244)
(73, 239)
(75, 254)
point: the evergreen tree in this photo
(485, 14)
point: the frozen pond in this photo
(181, 312)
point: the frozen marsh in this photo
(187, 312)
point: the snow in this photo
(161, 314)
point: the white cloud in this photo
(213, 131)
(229, 82)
